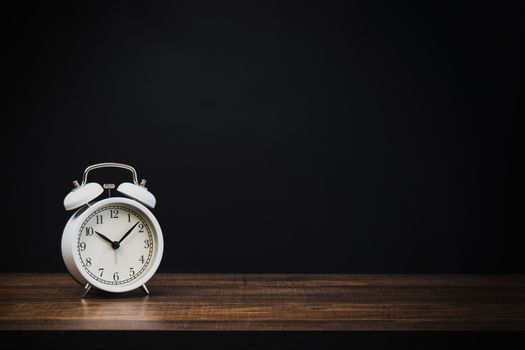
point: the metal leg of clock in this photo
(144, 289)
(86, 290)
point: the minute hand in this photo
(127, 233)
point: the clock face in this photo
(116, 244)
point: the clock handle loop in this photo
(109, 165)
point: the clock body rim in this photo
(69, 245)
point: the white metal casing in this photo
(69, 245)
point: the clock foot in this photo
(87, 288)
(144, 289)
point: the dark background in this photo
(277, 137)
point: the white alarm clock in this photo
(113, 244)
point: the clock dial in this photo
(115, 244)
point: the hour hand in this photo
(104, 237)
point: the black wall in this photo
(277, 136)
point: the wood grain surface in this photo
(281, 302)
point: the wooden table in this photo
(278, 302)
